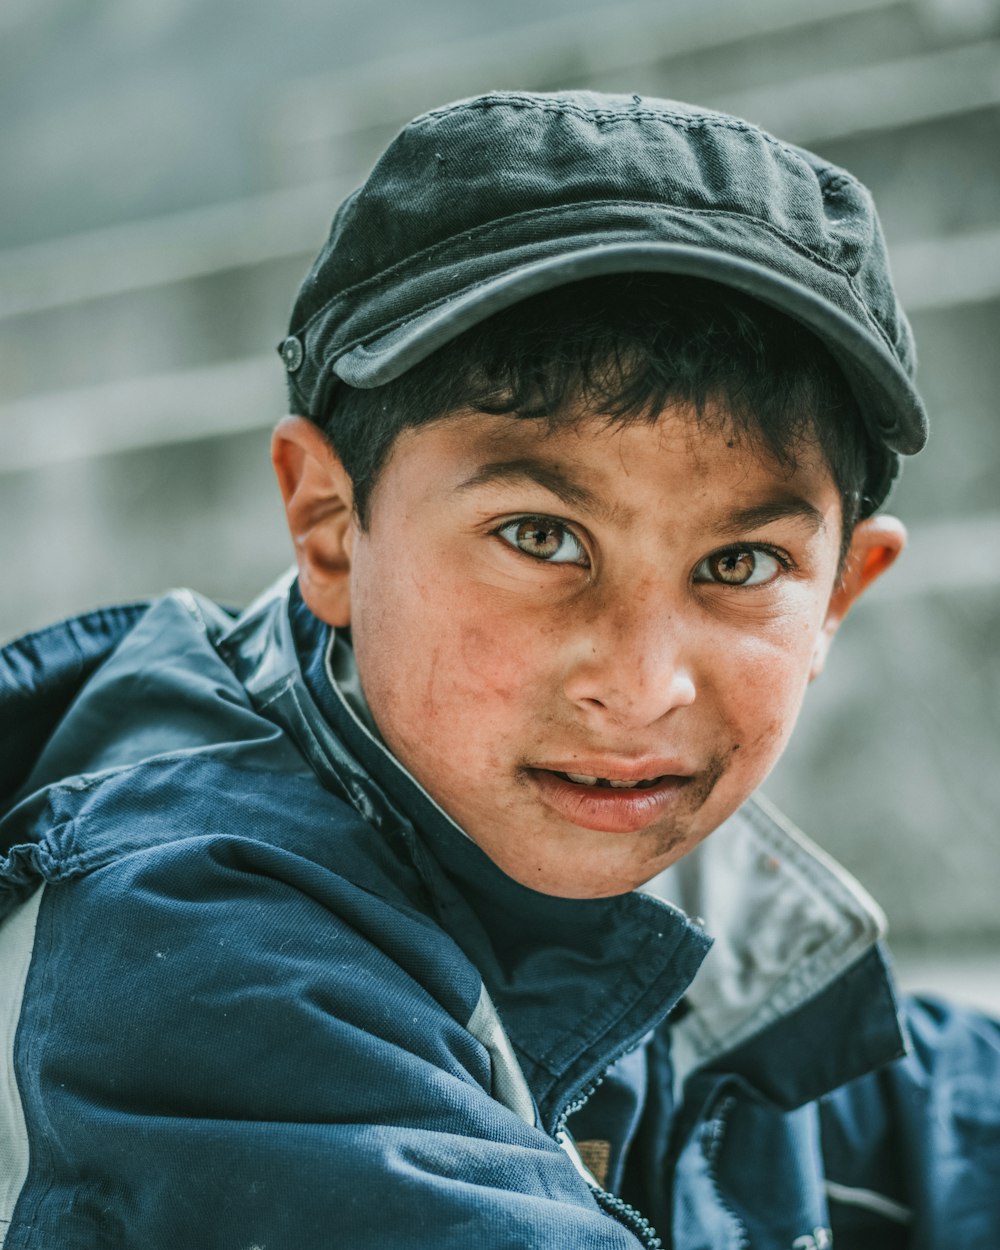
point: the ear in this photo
(319, 505)
(875, 544)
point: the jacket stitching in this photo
(625, 1005)
(713, 1137)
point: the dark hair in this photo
(623, 347)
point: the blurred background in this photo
(169, 170)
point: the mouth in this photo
(622, 804)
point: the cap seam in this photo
(687, 121)
(836, 175)
(500, 222)
(668, 116)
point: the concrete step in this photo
(686, 50)
(883, 93)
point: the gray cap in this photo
(482, 203)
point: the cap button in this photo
(292, 353)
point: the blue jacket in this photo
(258, 991)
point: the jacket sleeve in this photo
(914, 1149)
(223, 1046)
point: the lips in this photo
(628, 803)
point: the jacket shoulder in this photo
(40, 675)
(246, 1004)
(917, 1142)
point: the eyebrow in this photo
(536, 472)
(551, 478)
(792, 507)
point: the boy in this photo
(380, 916)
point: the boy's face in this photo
(532, 610)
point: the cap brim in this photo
(886, 396)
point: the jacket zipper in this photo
(611, 1204)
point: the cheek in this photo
(469, 666)
(762, 689)
(486, 664)
(499, 657)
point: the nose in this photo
(633, 661)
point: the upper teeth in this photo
(582, 779)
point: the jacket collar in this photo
(789, 924)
